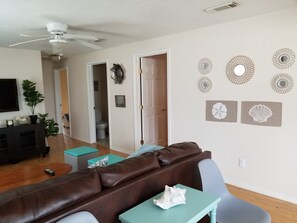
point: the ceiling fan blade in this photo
(35, 35)
(87, 44)
(80, 36)
(28, 41)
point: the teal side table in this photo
(78, 157)
(198, 204)
(111, 159)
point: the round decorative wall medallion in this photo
(282, 83)
(204, 84)
(240, 69)
(283, 58)
(205, 66)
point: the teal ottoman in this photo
(78, 157)
(111, 159)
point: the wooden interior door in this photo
(154, 99)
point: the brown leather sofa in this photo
(106, 192)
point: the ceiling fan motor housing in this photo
(57, 28)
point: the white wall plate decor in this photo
(283, 58)
(261, 113)
(240, 69)
(282, 83)
(204, 84)
(204, 65)
(221, 111)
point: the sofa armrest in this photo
(28, 203)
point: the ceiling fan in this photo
(58, 37)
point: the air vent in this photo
(221, 7)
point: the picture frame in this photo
(9, 123)
(120, 101)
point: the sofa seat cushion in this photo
(26, 203)
(127, 169)
(176, 152)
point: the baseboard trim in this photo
(267, 192)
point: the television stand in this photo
(20, 142)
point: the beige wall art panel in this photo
(261, 113)
(221, 111)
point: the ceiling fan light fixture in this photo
(58, 43)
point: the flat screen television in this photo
(8, 95)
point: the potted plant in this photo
(50, 126)
(32, 98)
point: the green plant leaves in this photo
(50, 126)
(31, 95)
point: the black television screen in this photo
(8, 95)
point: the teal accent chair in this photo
(79, 217)
(144, 149)
(231, 209)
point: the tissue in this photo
(172, 196)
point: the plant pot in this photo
(33, 119)
(47, 149)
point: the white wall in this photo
(270, 152)
(21, 64)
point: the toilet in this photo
(100, 125)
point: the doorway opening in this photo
(152, 99)
(98, 104)
(101, 104)
(62, 101)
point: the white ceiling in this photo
(118, 21)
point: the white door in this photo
(154, 100)
(58, 99)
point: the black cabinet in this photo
(20, 142)
(6, 145)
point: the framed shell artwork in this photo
(204, 65)
(282, 83)
(261, 113)
(240, 69)
(204, 84)
(284, 58)
(221, 111)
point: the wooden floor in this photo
(280, 211)
(56, 155)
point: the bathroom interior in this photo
(101, 104)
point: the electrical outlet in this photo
(241, 162)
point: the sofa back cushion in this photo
(26, 203)
(125, 170)
(176, 152)
(144, 149)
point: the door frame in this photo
(58, 100)
(136, 89)
(91, 105)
